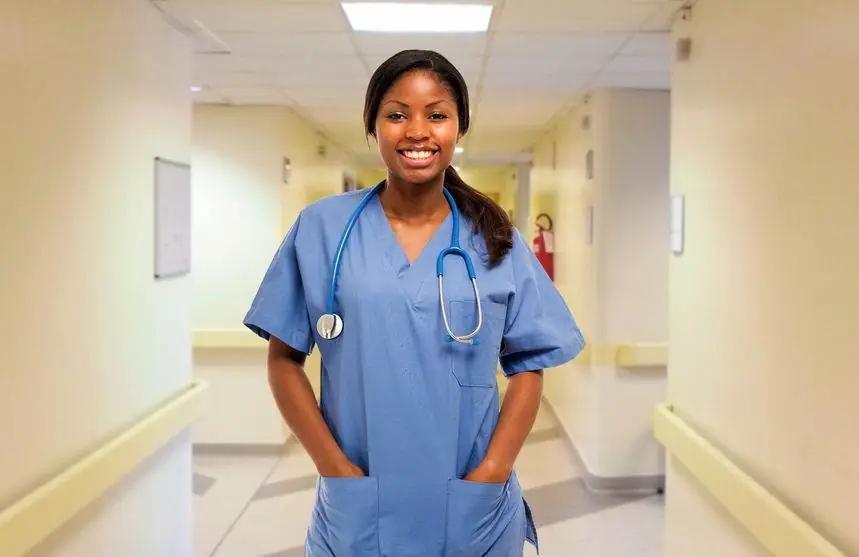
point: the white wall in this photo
(764, 301)
(91, 342)
(242, 209)
(617, 286)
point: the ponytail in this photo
(488, 218)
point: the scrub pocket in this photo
(476, 365)
(347, 511)
(477, 516)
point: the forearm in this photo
(518, 414)
(294, 397)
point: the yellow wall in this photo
(91, 342)
(242, 210)
(764, 304)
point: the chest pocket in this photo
(476, 365)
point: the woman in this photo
(413, 455)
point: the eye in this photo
(396, 116)
(438, 116)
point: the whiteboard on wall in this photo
(172, 218)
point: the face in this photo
(417, 128)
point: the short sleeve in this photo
(278, 309)
(540, 331)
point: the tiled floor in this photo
(259, 506)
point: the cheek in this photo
(447, 135)
(386, 138)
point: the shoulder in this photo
(332, 205)
(331, 211)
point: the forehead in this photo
(419, 87)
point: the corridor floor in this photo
(259, 506)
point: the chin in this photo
(424, 176)
(421, 179)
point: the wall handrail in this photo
(764, 516)
(628, 355)
(43, 511)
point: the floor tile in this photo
(270, 525)
(235, 480)
(285, 487)
(570, 499)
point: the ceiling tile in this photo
(270, 16)
(649, 44)
(527, 66)
(537, 83)
(661, 81)
(252, 95)
(573, 16)
(662, 16)
(220, 62)
(305, 65)
(389, 43)
(554, 45)
(228, 79)
(251, 43)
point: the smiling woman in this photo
(414, 455)
(417, 108)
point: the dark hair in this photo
(488, 218)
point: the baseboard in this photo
(608, 484)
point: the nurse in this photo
(415, 454)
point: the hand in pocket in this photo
(346, 469)
(486, 473)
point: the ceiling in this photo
(538, 60)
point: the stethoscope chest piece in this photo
(329, 326)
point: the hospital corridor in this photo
(434, 278)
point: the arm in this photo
(297, 403)
(518, 413)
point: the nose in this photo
(417, 129)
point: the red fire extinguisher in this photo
(543, 245)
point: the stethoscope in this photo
(330, 324)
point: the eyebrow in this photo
(401, 103)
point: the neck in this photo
(417, 202)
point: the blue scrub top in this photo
(413, 410)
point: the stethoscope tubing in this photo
(453, 249)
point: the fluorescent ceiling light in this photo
(458, 150)
(400, 17)
(196, 88)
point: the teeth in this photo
(418, 155)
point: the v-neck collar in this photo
(410, 276)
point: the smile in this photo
(419, 158)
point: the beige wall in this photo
(242, 209)
(764, 301)
(91, 342)
(616, 286)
